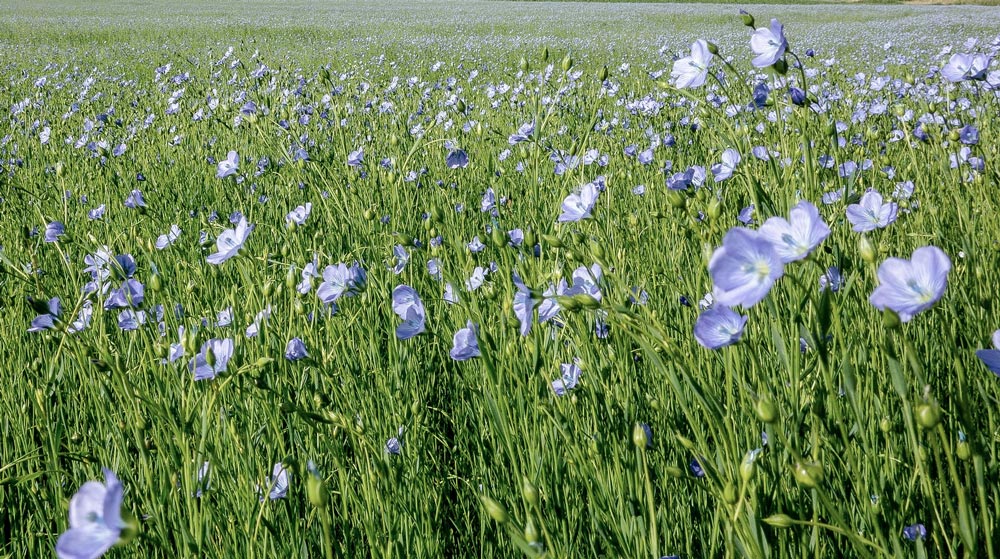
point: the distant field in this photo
(318, 279)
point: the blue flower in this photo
(299, 215)
(724, 170)
(464, 345)
(578, 205)
(135, 200)
(871, 213)
(230, 242)
(719, 327)
(796, 237)
(228, 166)
(295, 350)
(278, 483)
(769, 44)
(744, 268)
(909, 287)
(47, 321)
(568, 380)
(163, 241)
(989, 357)
(915, 531)
(408, 306)
(212, 359)
(524, 304)
(356, 158)
(457, 159)
(341, 281)
(95, 519)
(691, 71)
(53, 231)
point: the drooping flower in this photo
(228, 166)
(464, 345)
(134, 201)
(230, 242)
(871, 212)
(718, 327)
(277, 483)
(796, 237)
(909, 287)
(457, 159)
(95, 519)
(295, 350)
(47, 320)
(578, 205)
(568, 380)
(915, 531)
(523, 133)
(408, 306)
(831, 279)
(744, 268)
(53, 231)
(691, 71)
(394, 446)
(524, 304)
(769, 44)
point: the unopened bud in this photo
(779, 520)
(766, 410)
(529, 492)
(867, 250)
(496, 511)
(928, 415)
(808, 474)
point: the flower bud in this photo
(529, 492)
(747, 19)
(808, 474)
(587, 301)
(781, 66)
(890, 319)
(210, 356)
(460, 106)
(963, 450)
(867, 250)
(766, 410)
(779, 520)
(729, 493)
(545, 54)
(316, 491)
(568, 303)
(676, 199)
(603, 75)
(155, 283)
(130, 528)
(639, 436)
(531, 531)
(714, 209)
(747, 467)
(567, 63)
(928, 415)
(496, 511)
(552, 241)
(523, 64)
(713, 48)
